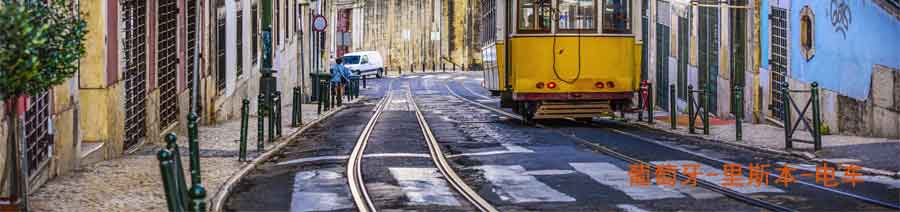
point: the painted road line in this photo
(513, 185)
(424, 186)
(319, 190)
(444, 76)
(717, 176)
(630, 208)
(617, 178)
(460, 78)
(510, 149)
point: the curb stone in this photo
(799, 154)
(217, 201)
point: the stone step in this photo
(90, 153)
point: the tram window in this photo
(577, 15)
(617, 16)
(534, 16)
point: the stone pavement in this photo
(876, 155)
(133, 182)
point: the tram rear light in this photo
(539, 85)
(551, 85)
(610, 84)
(599, 85)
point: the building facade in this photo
(762, 46)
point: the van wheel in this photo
(378, 74)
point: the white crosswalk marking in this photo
(460, 78)
(427, 76)
(511, 184)
(444, 76)
(424, 186)
(617, 178)
(319, 190)
(630, 208)
(719, 178)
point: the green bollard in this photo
(739, 112)
(245, 119)
(297, 108)
(650, 103)
(786, 117)
(261, 123)
(705, 113)
(673, 117)
(641, 100)
(321, 94)
(166, 170)
(277, 110)
(198, 198)
(817, 119)
(172, 146)
(270, 113)
(691, 104)
(194, 147)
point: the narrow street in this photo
(556, 166)
(449, 105)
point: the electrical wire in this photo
(555, 70)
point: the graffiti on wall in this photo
(841, 17)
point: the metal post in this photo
(817, 120)
(245, 119)
(705, 113)
(691, 117)
(739, 111)
(194, 147)
(786, 118)
(320, 93)
(166, 167)
(298, 108)
(172, 146)
(640, 113)
(270, 114)
(198, 194)
(650, 103)
(672, 115)
(261, 122)
(277, 116)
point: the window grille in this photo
(38, 139)
(662, 58)
(134, 49)
(240, 42)
(709, 53)
(779, 59)
(684, 36)
(220, 54)
(167, 54)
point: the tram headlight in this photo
(551, 85)
(599, 85)
(610, 84)
(539, 85)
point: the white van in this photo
(364, 63)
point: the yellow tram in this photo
(568, 58)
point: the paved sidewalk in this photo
(133, 182)
(876, 155)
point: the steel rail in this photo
(354, 164)
(440, 161)
(703, 183)
(773, 175)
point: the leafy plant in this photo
(40, 45)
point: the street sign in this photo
(319, 23)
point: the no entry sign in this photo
(319, 23)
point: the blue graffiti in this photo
(841, 18)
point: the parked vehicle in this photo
(364, 63)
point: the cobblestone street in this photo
(133, 182)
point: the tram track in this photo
(355, 177)
(615, 154)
